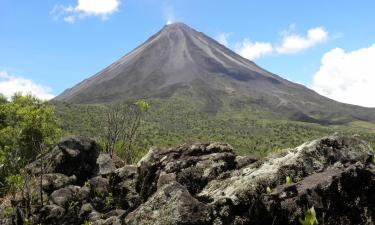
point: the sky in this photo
(328, 46)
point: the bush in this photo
(27, 125)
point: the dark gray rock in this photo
(85, 210)
(52, 214)
(171, 204)
(72, 156)
(95, 217)
(108, 164)
(99, 185)
(207, 184)
(83, 194)
(56, 181)
(64, 196)
(112, 221)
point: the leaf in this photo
(310, 217)
(268, 190)
(288, 180)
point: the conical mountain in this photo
(181, 60)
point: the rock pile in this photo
(204, 183)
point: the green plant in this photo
(310, 217)
(87, 184)
(373, 159)
(8, 211)
(27, 123)
(268, 190)
(100, 192)
(109, 200)
(27, 127)
(288, 180)
(34, 197)
(14, 183)
(122, 123)
(86, 222)
(72, 207)
(143, 105)
(247, 129)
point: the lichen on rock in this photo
(205, 183)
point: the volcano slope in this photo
(200, 89)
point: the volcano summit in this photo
(179, 60)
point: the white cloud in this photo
(70, 19)
(293, 43)
(253, 50)
(86, 8)
(347, 76)
(222, 38)
(11, 84)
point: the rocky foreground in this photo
(202, 183)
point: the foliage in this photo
(73, 206)
(268, 190)
(121, 127)
(109, 200)
(288, 180)
(14, 183)
(86, 222)
(169, 122)
(142, 105)
(310, 217)
(8, 211)
(100, 192)
(3, 99)
(27, 125)
(27, 122)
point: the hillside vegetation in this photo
(178, 119)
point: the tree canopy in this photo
(26, 125)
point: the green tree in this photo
(121, 128)
(27, 127)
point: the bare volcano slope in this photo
(179, 59)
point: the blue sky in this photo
(48, 46)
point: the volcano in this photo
(179, 60)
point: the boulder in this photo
(85, 210)
(52, 214)
(171, 204)
(72, 156)
(205, 183)
(64, 196)
(108, 164)
(54, 181)
(99, 185)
